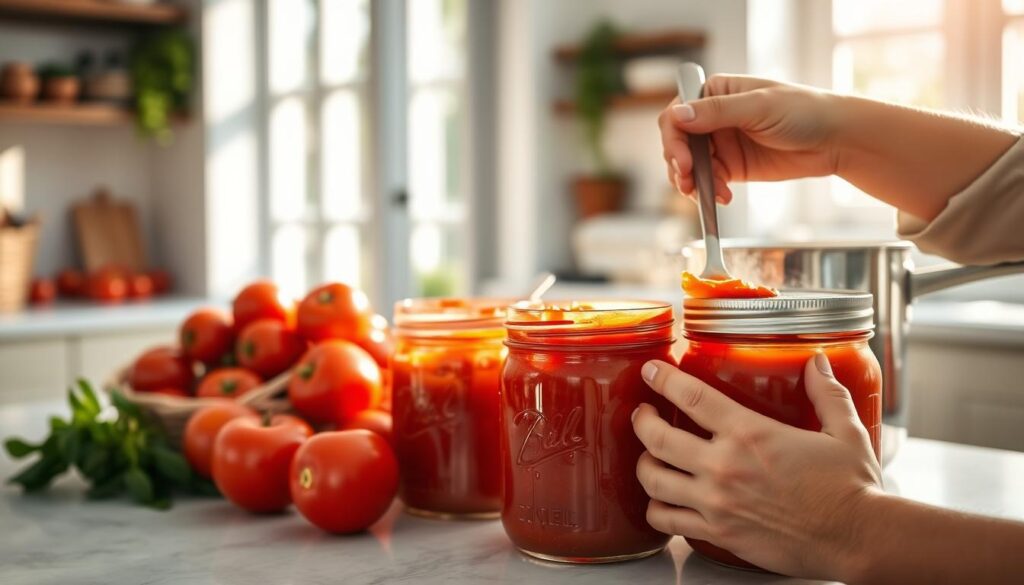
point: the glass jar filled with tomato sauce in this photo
(755, 350)
(569, 385)
(446, 375)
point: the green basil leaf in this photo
(160, 504)
(106, 489)
(139, 485)
(18, 449)
(124, 406)
(57, 423)
(171, 465)
(203, 486)
(90, 400)
(39, 475)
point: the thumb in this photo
(742, 110)
(831, 400)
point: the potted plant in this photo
(162, 71)
(60, 83)
(597, 80)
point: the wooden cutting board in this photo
(108, 233)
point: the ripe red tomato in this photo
(268, 347)
(251, 461)
(206, 335)
(202, 429)
(140, 286)
(259, 300)
(71, 282)
(159, 368)
(344, 481)
(374, 420)
(377, 343)
(227, 383)
(107, 285)
(333, 381)
(162, 280)
(42, 291)
(334, 311)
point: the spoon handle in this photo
(690, 81)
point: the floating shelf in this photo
(81, 114)
(99, 11)
(634, 45)
(653, 99)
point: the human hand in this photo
(761, 130)
(783, 498)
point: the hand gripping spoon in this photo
(690, 80)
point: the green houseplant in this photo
(598, 79)
(162, 71)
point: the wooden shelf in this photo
(82, 114)
(653, 99)
(99, 11)
(634, 45)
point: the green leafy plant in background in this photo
(55, 70)
(125, 454)
(597, 80)
(163, 71)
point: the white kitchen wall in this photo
(539, 151)
(64, 163)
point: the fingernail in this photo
(675, 165)
(683, 112)
(632, 417)
(649, 372)
(821, 362)
(679, 182)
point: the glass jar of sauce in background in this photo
(570, 383)
(754, 351)
(446, 375)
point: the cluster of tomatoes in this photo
(335, 350)
(108, 285)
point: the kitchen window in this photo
(962, 55)
(330, 195)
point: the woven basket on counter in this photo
(173, 412)
(17, 250)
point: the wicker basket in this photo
(17, 250)
(172, 412)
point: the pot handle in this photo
(935, 278)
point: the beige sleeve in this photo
(984, 223)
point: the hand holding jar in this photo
(783, 498)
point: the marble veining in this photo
(58, 538)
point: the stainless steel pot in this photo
(884, 269)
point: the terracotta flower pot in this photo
(19, 83)
(597, 195)
(62, 90)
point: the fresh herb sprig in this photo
(123, 454)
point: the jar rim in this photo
(566, 316)
(440, 314)
(792, 312)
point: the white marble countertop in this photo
(58, 538)
(68, 318)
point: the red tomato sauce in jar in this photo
(446, 372)
(756, 355)
(569, 385)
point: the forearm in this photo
(900, 541)
(915, 160)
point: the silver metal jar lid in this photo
(792, 312)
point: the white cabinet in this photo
(967, 392)
(33, 370)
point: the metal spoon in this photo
(690, 81)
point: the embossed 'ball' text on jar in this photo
(446, 376)
(755, 350)
(570, 383)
